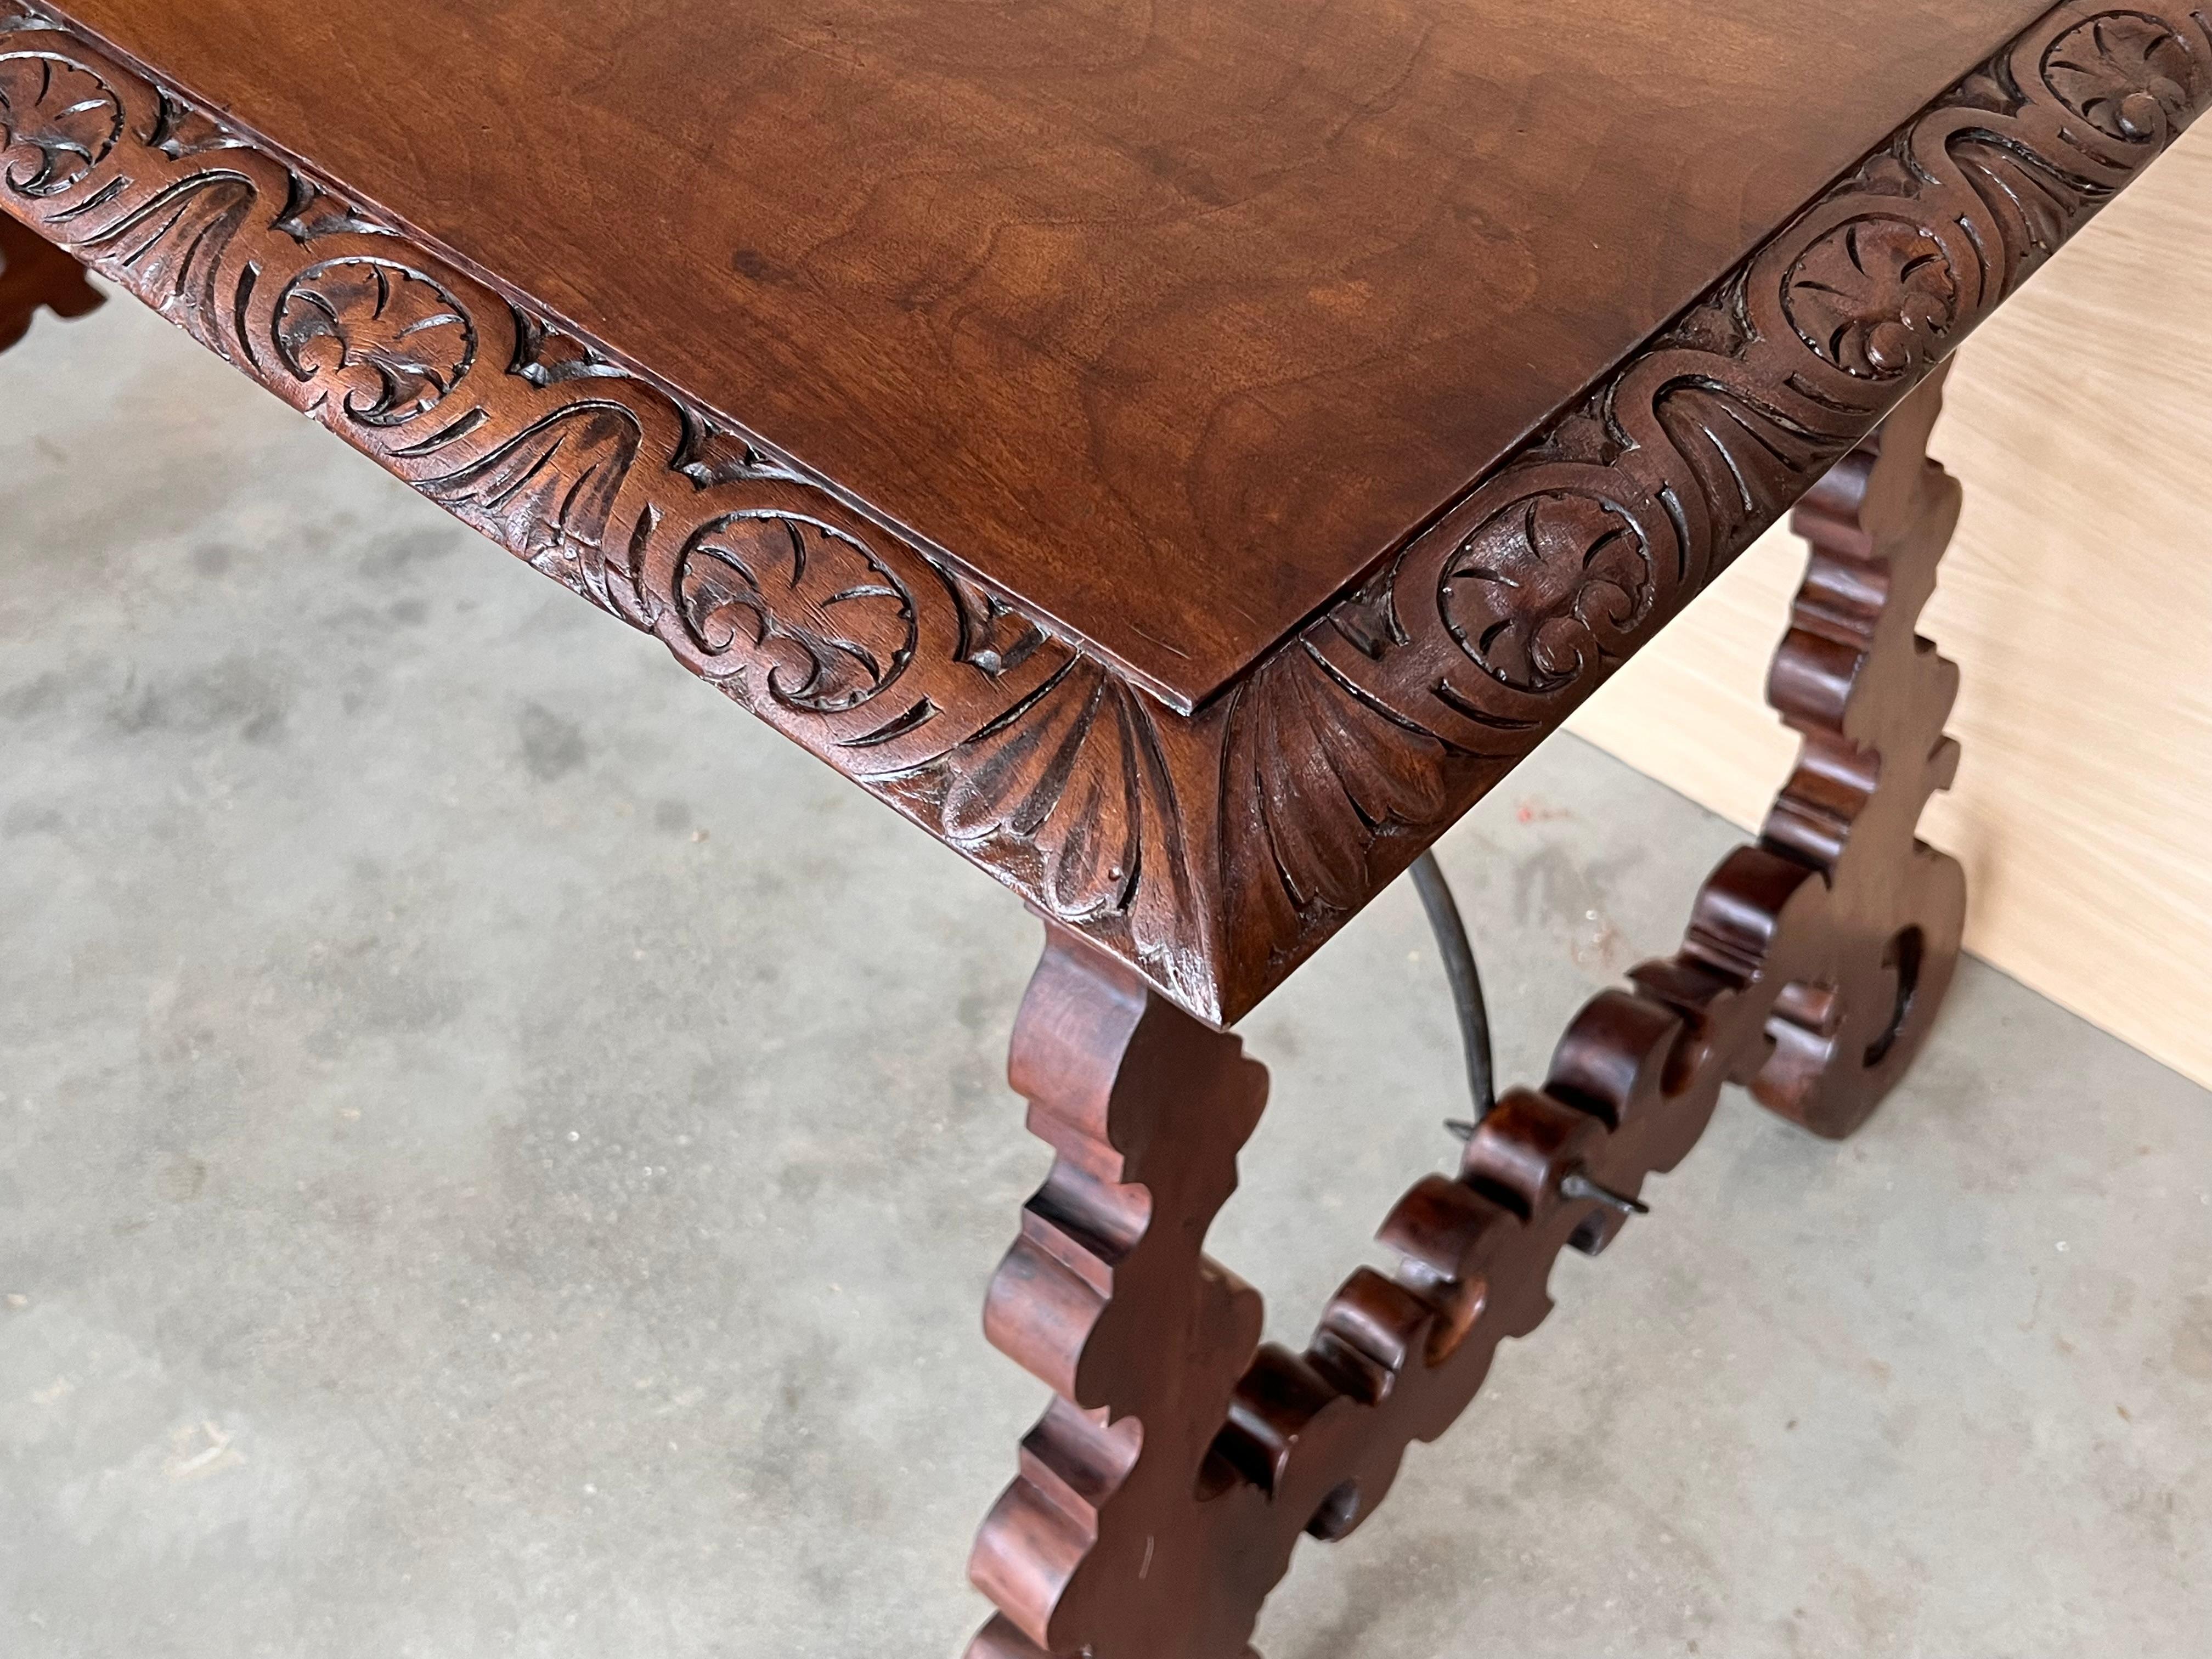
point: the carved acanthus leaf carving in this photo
(1315, 776)
(1076, 772)
(548, 492)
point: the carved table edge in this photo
(1212, 851)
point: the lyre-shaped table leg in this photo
(1869, 697)
(34, 272)
(1161, 1496)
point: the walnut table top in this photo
(1182, 455)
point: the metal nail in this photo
(1580, 1186)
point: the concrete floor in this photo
(499, 1154)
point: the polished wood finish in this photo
(1161, 1496)
(1215, 851)
(1168, 320)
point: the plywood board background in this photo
(2077, 600)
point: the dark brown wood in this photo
(34, 272)
(1161, 1496)
(1869, 696)
(1212, 851)
(1168, 320)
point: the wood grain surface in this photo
(1214, 851)
(2078, 601)
(1169, 319)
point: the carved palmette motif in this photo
(1160, 1499)
(1213, 851)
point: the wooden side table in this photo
(1182, 459)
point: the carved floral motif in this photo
(61, 120)
(830, 625)
(1213, 851)
(395, 336)
(1547, 589)
(1876, 297)
(2132, 76)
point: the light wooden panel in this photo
(2078, 600)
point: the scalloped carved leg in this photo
(1160, 1499)
(1869, 697)
(1108, 1297)
(34, 272)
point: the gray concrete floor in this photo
(500, 1155)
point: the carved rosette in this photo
(1876, 297)
(1549, 587)
(1212, 851)
(391, 340)
(62, 120)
